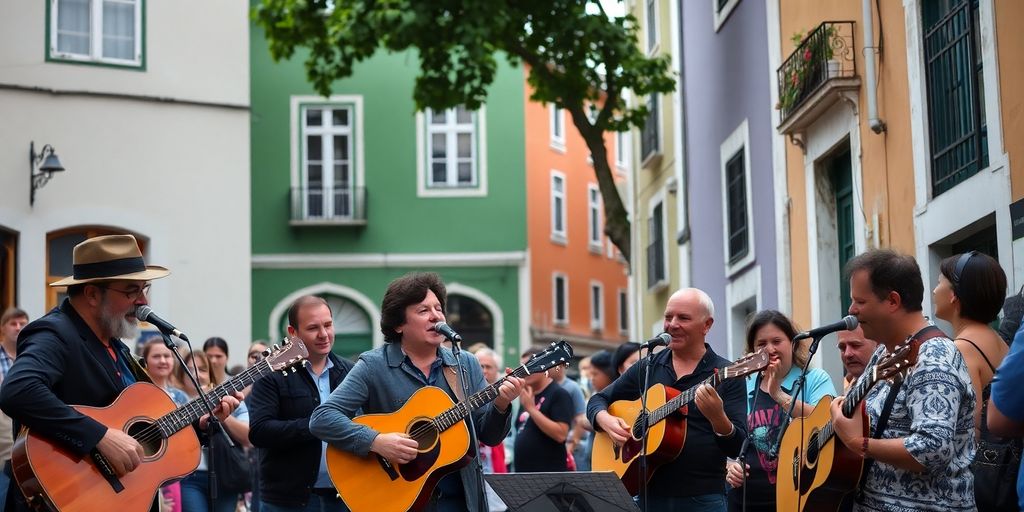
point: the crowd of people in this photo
(944, 437)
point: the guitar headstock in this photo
(894, 366)
(750, 363)
(558, 354)
(291, 354)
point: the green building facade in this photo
(351, 191)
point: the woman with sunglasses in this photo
(969, 294)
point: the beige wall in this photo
(1010, 43)
(885, 160)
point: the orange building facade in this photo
(579, 287)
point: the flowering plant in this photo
(812, 51)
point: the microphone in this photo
(660, 340)
(445, 330)
(848, 323)
(145, 313)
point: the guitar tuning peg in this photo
(275, 347)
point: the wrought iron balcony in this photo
(825, 55)
(324, 206)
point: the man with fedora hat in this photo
(74, 356)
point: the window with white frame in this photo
(622, 149)
(596, 306)
(722, 9)
(736, 199)
(557, 127)
(327, 189)
(104, 31)
(594, 217)
(656, 264)
(558, 220)
(451, 148)
(623, 312)
(560, 302)
(652, 25)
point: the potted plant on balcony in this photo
(804, 66)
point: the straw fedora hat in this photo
(106, 258)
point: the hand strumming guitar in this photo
(121, 450)
(614, 426)
(397, 447)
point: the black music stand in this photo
(569, 491)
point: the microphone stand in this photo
(798, 389)
(478, 474)
(742, 457)
(644, 414)
(212, 422)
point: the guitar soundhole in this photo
(424, 433)
(812, 449)
(638, 426)
(148, 435)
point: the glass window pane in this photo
(437, 117)
(341, 148)
(463, 116)
(119, 30)
(73, 26)
(314, 148)
(314, 117)
(341, 175)
(339, 117)
(438, 142)
(315, 176)
(465, 172)
(465, 141)
(60, 253)
(557, 184)
(439, 173)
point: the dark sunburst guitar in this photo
(376, 484)
(52, 478)
(665, 425)
(815, 469)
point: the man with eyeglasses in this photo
(74, 356)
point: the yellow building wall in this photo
(886, 159)
(1009, 44)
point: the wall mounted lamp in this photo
(47, 163)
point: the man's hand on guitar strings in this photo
(508, 391)
(122, 451)
(397, 447)
(615, 427)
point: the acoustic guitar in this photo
(815, 470)
(664, 424)
(52, 478)
(376, 484)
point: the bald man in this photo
(716, 427)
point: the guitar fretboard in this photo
(186, 414)
(853, 398)
(680, 400)
(446, 419)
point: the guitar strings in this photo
(154, 431)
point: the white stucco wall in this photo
(177, 173)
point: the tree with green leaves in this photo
(578, 57)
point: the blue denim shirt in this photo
(382, 382)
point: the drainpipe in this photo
(876, 124)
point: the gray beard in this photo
(118, 326)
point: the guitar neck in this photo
(853, 399)
(188, 413)
(680, 400)
(475, 401)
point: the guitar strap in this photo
(451, 375)
(922, 336)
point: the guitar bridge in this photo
(385, 464)
(108, 471)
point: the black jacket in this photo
(60, 363)
(279, 411)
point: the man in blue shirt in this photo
(293, 466)
(1006, 404)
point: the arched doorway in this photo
(471, 319)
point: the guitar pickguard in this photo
(419, 466)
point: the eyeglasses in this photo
(133, 294)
